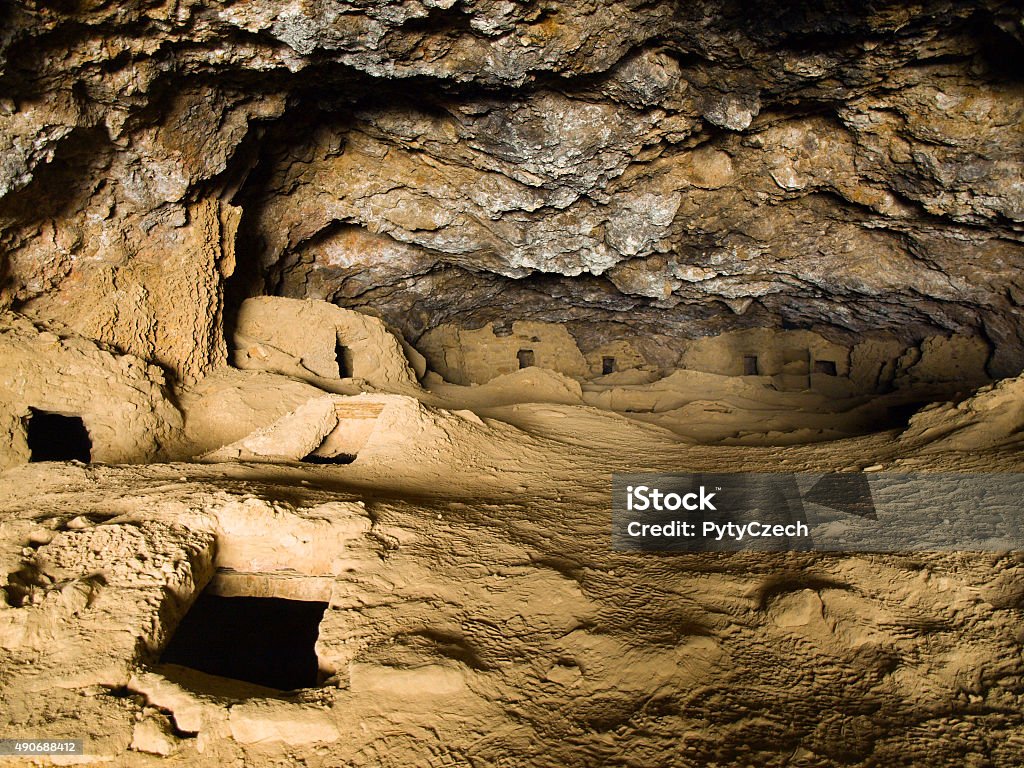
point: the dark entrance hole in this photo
(341, 458)
(344, 357)
(898, 416)
(53, 437)
(750, 365)
(828, 367)
(502, 328)
(526, 358)
(607, 365)
(264, 640)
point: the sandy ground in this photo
(478, 616)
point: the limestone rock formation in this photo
(361, 306)
(314, 341)
(699, 167)
(44, 372)
(991, 418)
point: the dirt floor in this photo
(477, 615)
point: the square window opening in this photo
(827, 367)
(56, 437)
(269, 641)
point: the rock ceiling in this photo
(648, 168)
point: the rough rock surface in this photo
(666, 184)
(479, 617)
(693, 167)
(314, 341)
(992, 417)
(121, 400)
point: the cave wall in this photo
(314, 341)
(643, 173)
(123, 404)
(874, 364)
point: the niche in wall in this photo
(827, 367)
(56, 437)
(343, 355)
(268, 641)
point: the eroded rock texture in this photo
(663, 170)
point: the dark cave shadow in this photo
(6, 280)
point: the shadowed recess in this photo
(53, 437)
(269, 641)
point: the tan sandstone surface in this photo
(476, 614)
(357, 307)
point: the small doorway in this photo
(750, 367)
(343, 355)
(55, 437)
(526, 358)
(269, 641)
(827, 367)
(607, 365)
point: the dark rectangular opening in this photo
(341, 458)
(55, 437)
(607, 365)
(750, 365)
(502, 328)
(828, 367)
(526, 358)
(268, 641)
(343, 355)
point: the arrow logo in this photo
(847, 492)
